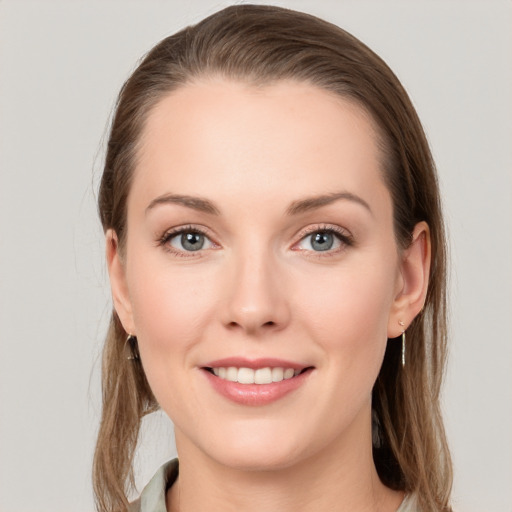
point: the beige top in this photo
(152, 498)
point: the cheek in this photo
(347, 311)
(170, 312)
(169, 307)
(346, 316)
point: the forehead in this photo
(282, 139)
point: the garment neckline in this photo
(153, 496)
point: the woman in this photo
(277, 260)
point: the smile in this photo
(255, 376)
(255, 382)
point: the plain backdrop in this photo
(61, 66)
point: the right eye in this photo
(189, 241)
(186, 240)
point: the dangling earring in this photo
(403, 343)
(403, 349)
(134, 355)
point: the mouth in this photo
(256, 382)
(266, 375)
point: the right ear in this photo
(118, 285)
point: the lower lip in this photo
(256, 394)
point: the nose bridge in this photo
(256, 299)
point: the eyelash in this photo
(164, 240)
(345, 238)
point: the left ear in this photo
(413, 283)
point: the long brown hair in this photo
(260, 45)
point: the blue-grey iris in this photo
(322, 241)
(192, 241)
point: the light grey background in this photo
(61, 65)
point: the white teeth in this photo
(231, 374)
(288, 373)
(263, 376)
(259, 376)
(277, 374)
(246, 376)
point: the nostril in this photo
(270, 323)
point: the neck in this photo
(341, 478)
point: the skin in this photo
(259, 289)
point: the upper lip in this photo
(255, 364)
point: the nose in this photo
(256, 298)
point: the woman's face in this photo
(260, 236)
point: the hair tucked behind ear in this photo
(261, 45)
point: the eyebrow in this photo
(196, 203)
(296, 207)
(312, 203)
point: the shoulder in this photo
(134, 506)
(152, 498)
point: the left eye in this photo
(189, 241)
(320, 241)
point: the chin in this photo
(256, 460)
(258, 449)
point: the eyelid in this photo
(164, 239)
(344, 236)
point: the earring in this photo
(403, 349)
(403, 342)
(134, 355)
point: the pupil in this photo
(192, 241)
(322, 241)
